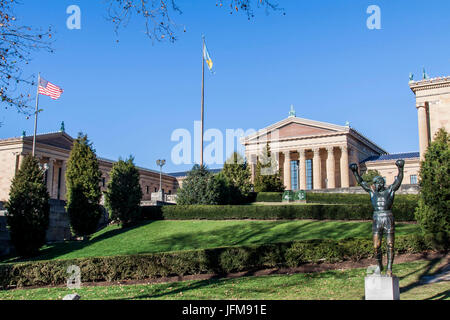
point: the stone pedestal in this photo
(381, 287)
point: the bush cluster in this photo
(216, 260)
(272, 212)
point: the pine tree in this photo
(28, 208)
(201, 187)
(433, 212)
(124, 193)
(267, 178)
(237, 178)
(83, 187)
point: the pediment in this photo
(296, 127)
(59, 140)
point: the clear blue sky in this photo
(130, 96)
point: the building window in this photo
(156, 190)
(170, 191)
(294, 175)
(147, 189)
(413, 179)
(309, 174)
(103, 182)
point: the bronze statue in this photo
(382, 199)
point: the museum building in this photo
(52, 151)
(311, 155)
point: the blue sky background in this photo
(130, 96)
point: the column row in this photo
(317, 173)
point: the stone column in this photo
(345, 178)
(331, 169)
(50, 173)
(317, 176)
(302, 165)
(423, 129)
(287, 170)
(63, 180)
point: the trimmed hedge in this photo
(350, 198)
(269, 197)
(401, 211)
(216, 260)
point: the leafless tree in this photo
(17, 45)
(157, 14)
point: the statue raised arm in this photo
(382, 199)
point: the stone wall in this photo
(5, 245)
(58, 229)
(59, 224)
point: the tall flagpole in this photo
(203, 97)
(36, 115)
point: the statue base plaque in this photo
(381, 287)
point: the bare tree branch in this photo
(159, 25)
(17, 45)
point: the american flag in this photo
(49, 89)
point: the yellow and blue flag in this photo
(207, 57)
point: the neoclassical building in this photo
(314, 155)
(433, 105)
(52, 150)
(311, 154)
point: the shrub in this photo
(28, 208)
(236, 175)
(124, 194)
(216, 260)
(370, 175)
(83, 187)
(434, 204)
(201, 187)
(267, 178)
(279, 212)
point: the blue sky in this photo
(130, 96)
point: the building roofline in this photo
(426, 84)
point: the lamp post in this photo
(160, 163)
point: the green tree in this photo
(237, 179)
(28, 208)
(369, 175)
(433, 212)
(267, 178)
(83, 187)
(124, 193)
(201, 187)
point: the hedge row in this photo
(339, 198)
(216, 260)
(401, 211)
(269, 197)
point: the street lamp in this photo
(160, 163)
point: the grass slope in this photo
(159, 236)
(331, 285)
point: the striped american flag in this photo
(49, 89)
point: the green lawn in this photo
(334, 285)
(159, 236)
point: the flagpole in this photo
(36, 115)
(203, 97)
